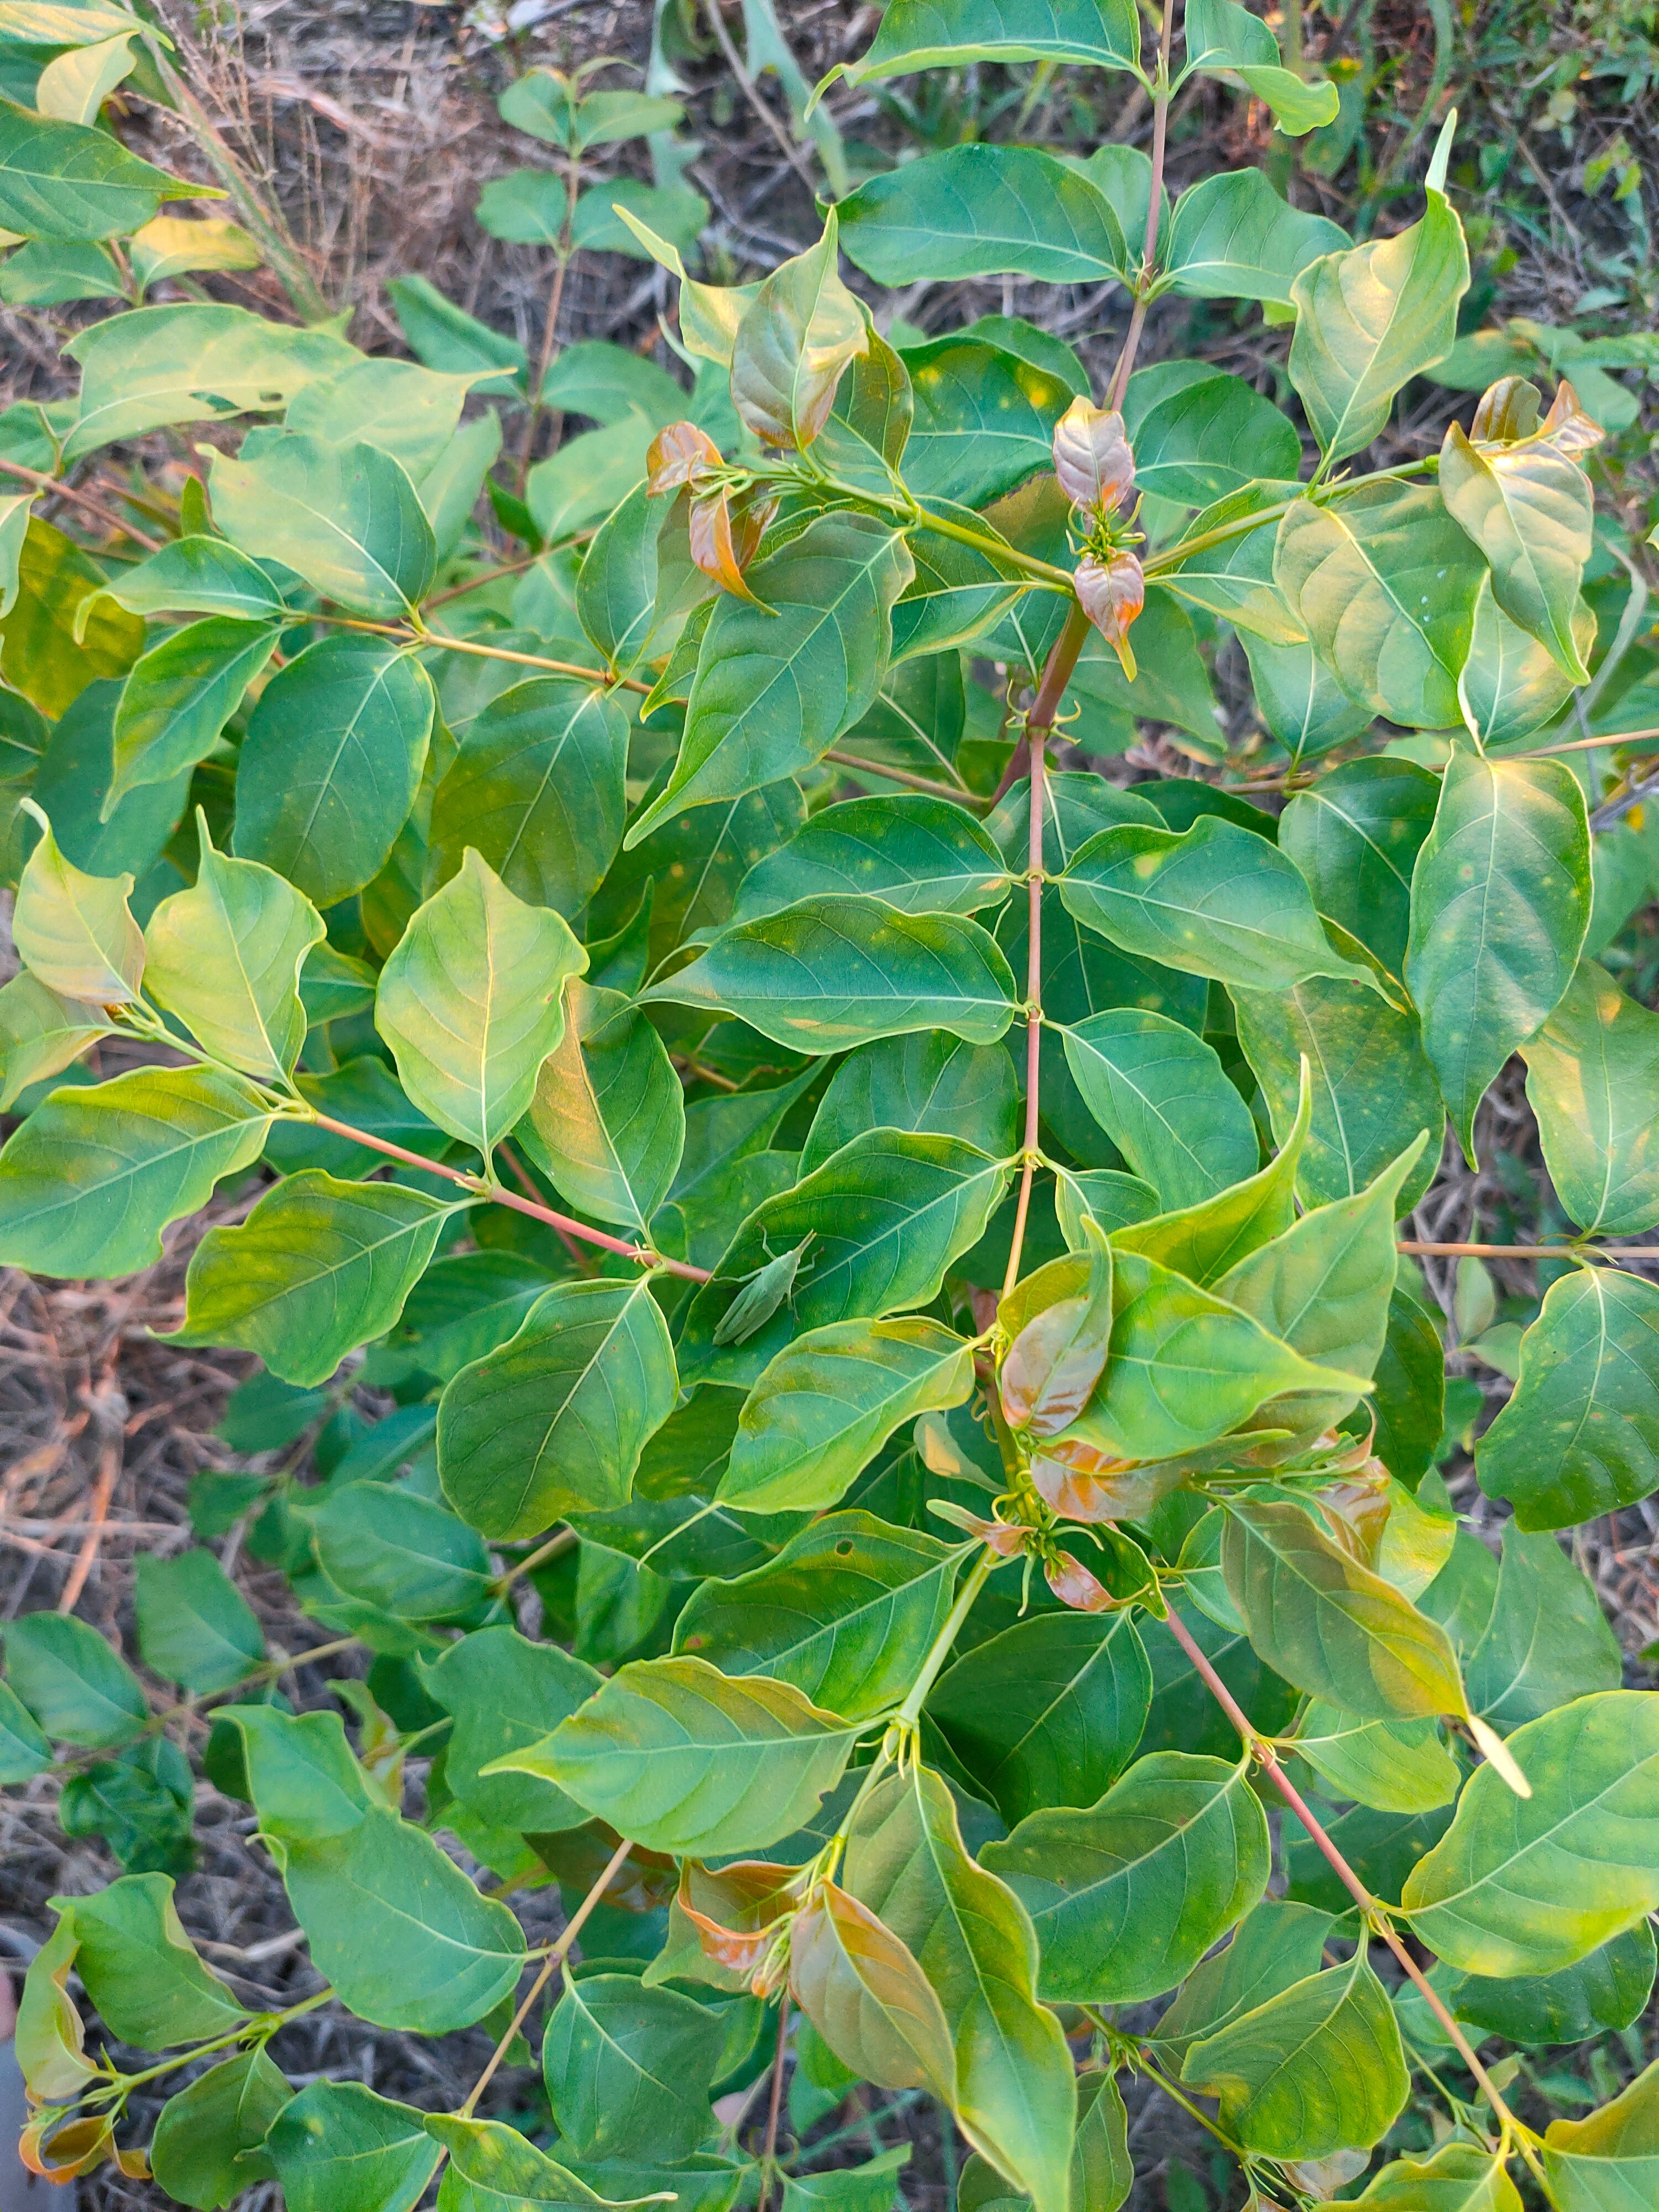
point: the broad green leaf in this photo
(1215, 900)
(777, 683)
(1500, 903)
(541, 102)
(722, 1133)
(41, 1033)
(1510, 684)
(339, 2146)
(1458, 2177)
(67, 180)
(797, 336)
(840, 971)
(1529, 509)
(1232, 237)
(24, 1751)
(865, 1995)
(91, 1178)
(140, 1969)
(74, 932)
(1592, 1081)
(847, 1612)
(198, 575)
(400, 1553)
(1221, 36)
(319, 1268)
(1397, 1766)
(921, 34)
(1528, 1884)
(502, 1692)
(984, 421)
(1355, 834)
(527, 207)
(1199, 435)
(1329, 1624)
(1609, 1988)
(1547, 1640)
(1112, 1199)
(1608, 2162)
(195, 1627)
(207, 2139)
(447, 338)
(225, 957)
(191, 364)
(71, 1682)
(983, 212)
(925, 1081)
(331, 763)
(1203, 1241)
(1300, 700)
(1385, 584)
(179, 697)
(537, 788)
(1161, 1094)
(41, 656)
(1370, 317)
(492, 2168)
(1316, 2069)
(1408, 1401)
(1233, 577)
(410, 412)
(922, 855)
(74, 772)
(1127, 1896)
(885, 1215)
(176, 246)
(607, 1117)
(1274, 1945)
(1580, 1436)
(1013, 2092)
(683, 1758)
(827, 1403)
(1050, 1711)
(346, 518)
(1372, 1089)
(470, 1002)
(629, 2070)
(555, 1421)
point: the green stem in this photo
(910, 1711)
(258, 2027)
(268, 1670)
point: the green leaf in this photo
(1329, 1624)
(1580, 1436)
(922, 855)
(527, 207)
(42, 1033)
(195, 1627)
(1398, 1766)
(24, 1751)
(1298, 698)
(73, 932)
(1048, 1712)
(191, 364)
(140, 1969)
(1222, 36)
(1500, 903)
(1275, 1946)
(541, 102)
(1356, 836)
(339, 2147)
(839, 970)
(91, 1178)
(40, 655)
(537, 788)
(503, 1691)
(1199, 435)
(607, 1119)
(1592, 1076)
(1529, 1884)
(492, 2169)
(683, 1758)
(1608, 2162)
(777, 683)
(1510, 684)
(1547, 1640)
(1161, 1094)
(1529, 509)
(555, 1422)
(1369, 319)
(629, 2070)
(919, 34)
(983, 212)
(984, 421)
(68, 180)
(1013, 2092)
(346, 518)
(1232, 237)
(1609, 1989)
(797, 336)
(1409, 1398)
(925, 1083)
(198, 575)
(1215, 900)
(447, 338)
(1316, 2069)
(827, 1403)
(225, 956)
(868, 1998)
(1203, 1241)
(1458, 2177)
(847, 1612)
(72, 1682)
(1127, 1896)
(470, 1002)
(1385, 584)
(398, 1552)
(332, 763)
(179, 697)
(1110, 1198)
(319, 1268)
(203, 2136)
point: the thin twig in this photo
(958, 794)
(1125, 360)
(734, 61)
(1430, 1249)
(769, 2156)
(83, 500)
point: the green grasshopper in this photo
(764, 1291)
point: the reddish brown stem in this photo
(1125, 360)
(83, 500)
(562, 1222)
(769, 2157)
(959, 795)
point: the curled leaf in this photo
(1567, 425)
(1112, 592)
(678, 455)
(1092, 458)
(1081, 1482)
(1507, 410)
(1056, 1358)
(724, 544)
(735, 1910)
(1073, 1585)
(60, 2150)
